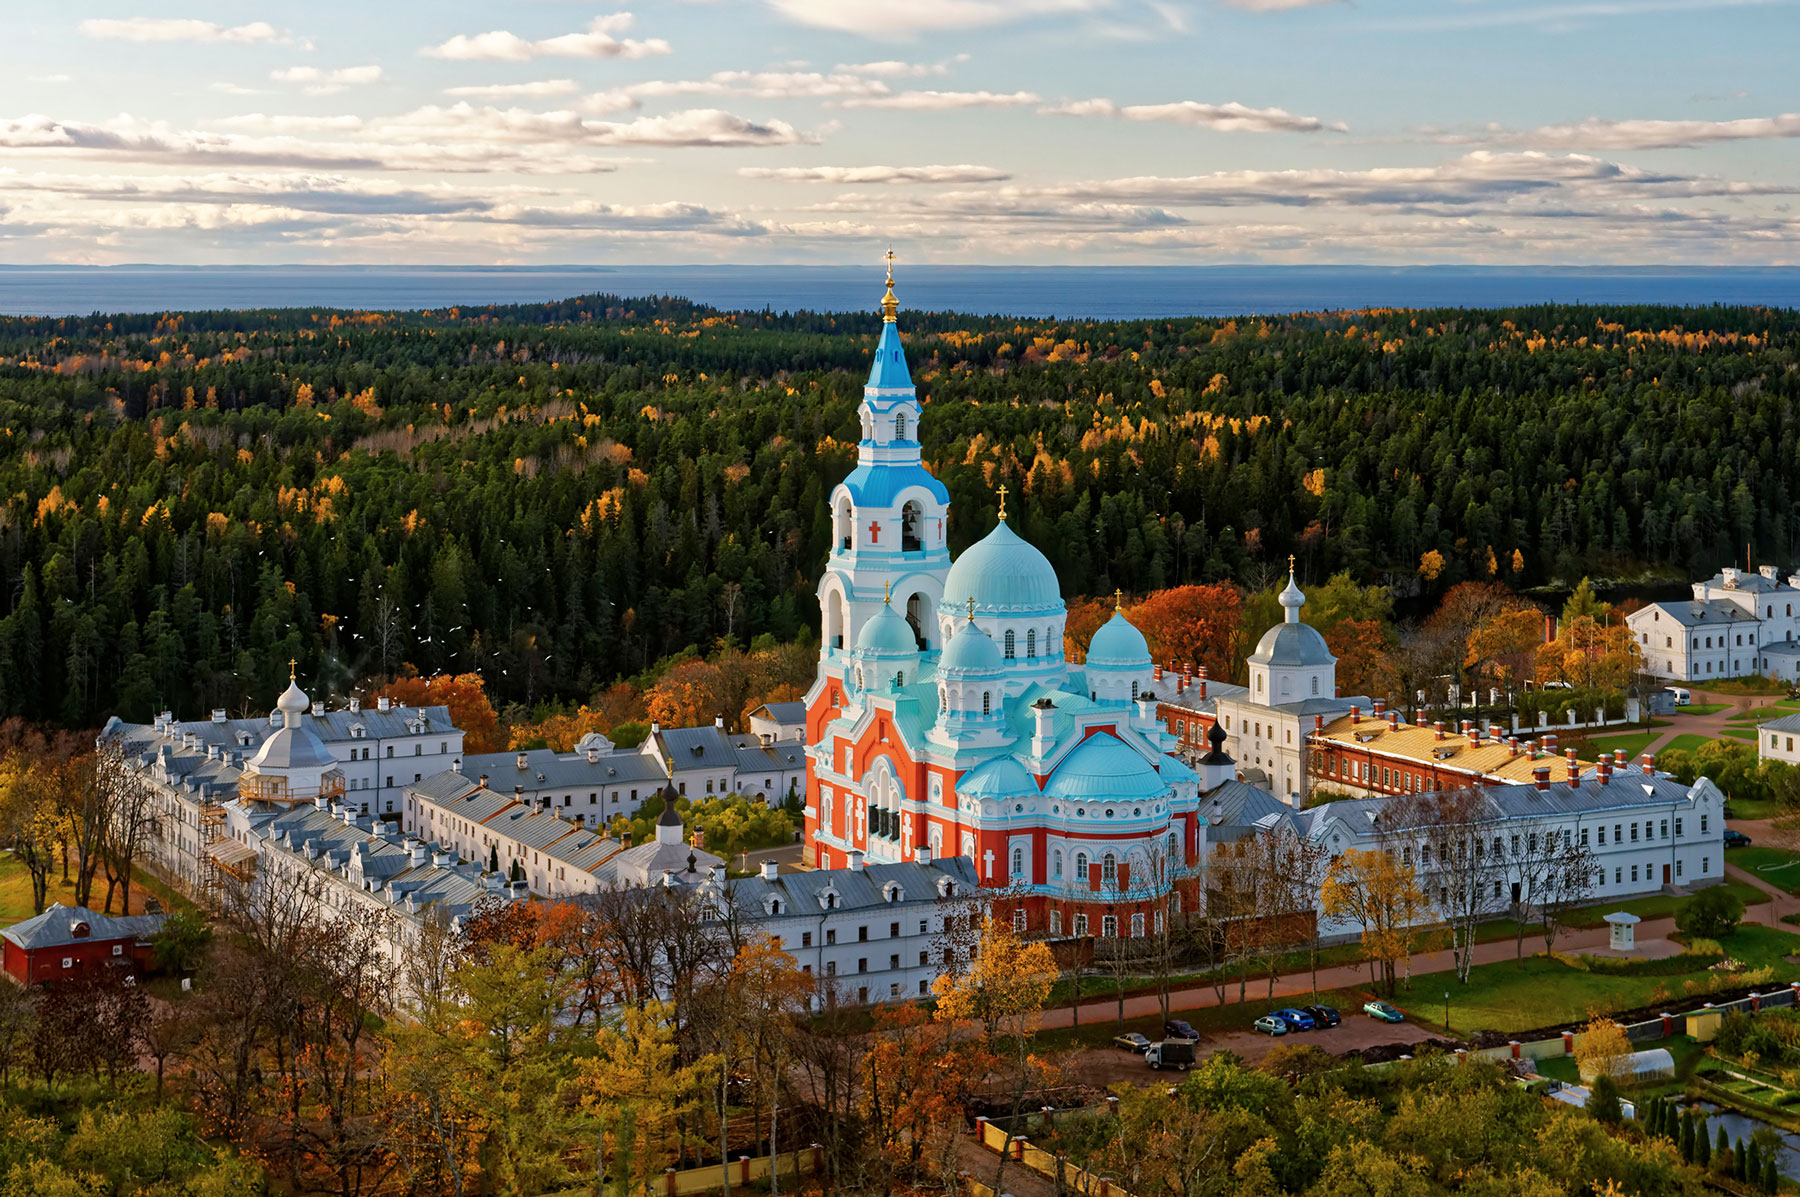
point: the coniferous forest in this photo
(559, 495)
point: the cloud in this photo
(761, 85)
(235, 89)
(895, 69)
(499, 45)
(263, 123)
(1275, 5)
(885, 19)
(1597, 134)
(692, 127)
(317, 82)
(875, 174)
(926, 101)
(52, 79)
(168, 29)
(502, 91)
(1557, 18)
(1226, 118)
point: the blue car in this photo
(1296, 1020)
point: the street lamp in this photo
(1446, 1011)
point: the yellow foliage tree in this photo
(1431, 564)
(1603, 1047)
(642, 1095)
(1004, 988)
(1376, 890)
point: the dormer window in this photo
(893, 893)
(774, 906)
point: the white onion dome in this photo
(1118, 645)
(1002, 572)
(293, 700)
(970, 651)
(1292, 643)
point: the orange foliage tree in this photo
(1363, 665)
(1085, 615)
(559, 732)
(1505, 645)
(466, 696)
(692, 693)
(1196, 624)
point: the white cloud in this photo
(500, 45)
(168, 29)
(258, 122)
(235, 89)
(894, 69)
(1276, 5)
(502, 91)
(1226, 118)
(317, 82)
(928, 101)
(886, 19)
(1597, 134)
(692, 127)
(762, 85)
(876, 174)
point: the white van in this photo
(1682, 697)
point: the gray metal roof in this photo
(55, 927)
(689, 748)
(1691, 613)
(1235, 809)
(856, 889)
(783, 712)
(1292, 644)
(547, 770)
(1781, 648)
(1788, 723)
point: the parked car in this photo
(1175, 1028)
(1736, 839)
(1297, 1020)
(1270, 1025)
(1383, 1012)
(1131, 1041)
(1170, 1053)
(1679, 694)
(1323, 1016)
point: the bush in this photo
(1603, 1103)
(1712, 913)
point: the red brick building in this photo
(73, 941)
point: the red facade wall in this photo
(39, 966)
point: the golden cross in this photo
(1003, 500)
(887, 592)
(890, 265)
(291, 664)
(1290, 563)
(971, 608)
(1118, 600)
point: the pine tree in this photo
(1687, 1137)
(1771, 1180)
(1740, 1162)
(1753, 1163)
(494, 858)
(1702, 1144)
(1723, 1145)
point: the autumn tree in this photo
(1603, 1048)
(639, 1093)
(31, 820)
(1379, 893)
(1503, 646)
(1363, 652)
(1191, 625)
(465, 694)
(1459, 871)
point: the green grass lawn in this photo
(1773, 865)
(1701, 708)
(1633, 746)
(1518, 995)
(1742, 733)
(15, 891)
(1686, 743)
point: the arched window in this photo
(1134, 692)
(1315, 687)
(1109, 926)
(1109, 868)
(1259, 683)
(1056, 863)
(943, 698)
(1019, 919)
(1018, 861)
(1137, 926)
(775, 906)
(1010, 644)
(1030, 642)
(900, 427)
(987, 702)
(859, 677)
(1081, 865)
(900, 678)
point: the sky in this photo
(1020, 132)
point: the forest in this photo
(557, 497)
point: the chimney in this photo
(1043, 732)
(321, 803)
(355, 704)
(922, 855)
(770, 870)
(1318, 723)
(456, 765)
(1380, 705)
(518, 793)
(443, 858)
(218, 715)
(625, 841)
(318, 707)
(1157, 673)
(719, 722)
(856, 860)
(522, 761)
(1202, 684)
(593, 755)
(655, 728)
(420, 854)
(1473, 732)
(384, 703)
(1540, 777)
(1619, 758)
(1393, 720)
(1550, 743)
(482, 782)
(1649, 763)
(1355, 714)
(1603, 771)
(1437, 729)
(1574, 771)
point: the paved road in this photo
(1711, 726)
(787, 857)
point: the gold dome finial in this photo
(1290, 563)
(971, 608)
(890, 307)
(291, 664)
(887, 592)
(1003, 500)
(1118, 600)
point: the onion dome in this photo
(1003, 573)
(970, 651)
(887, 635)
(1118, 645)
(1104, 769)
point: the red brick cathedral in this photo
(945, 720)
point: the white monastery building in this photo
(1737, 624)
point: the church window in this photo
(1134, 691)
(900, 678)
(1010, 645)
(1081, 924)
(859, 677)
(1081, 865)
(1056, 922)
(1019, 919)
(1018, 861)
(1031, 642)
(1109, 926)
(1109, 868)
(987, 702)
(943, 698)
(1137, 926)
(1315, 687)
(900, 427)
(1056, 863)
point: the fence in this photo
(1044, 1163)
(742, 1171)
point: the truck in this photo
(1170, 1053)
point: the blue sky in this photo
(962, 131)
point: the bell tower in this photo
(888, 517)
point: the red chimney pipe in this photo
(1355, 715)
(1619, 757)
(1438, 729)
(1202, 683)
(1393, 720)
(1473, 732)
(1604, 771)
(1574, 770)
(1318, 723)
(1380, 705)
(1550, 742)
(1202, 673)
(1157, 673)
(1540, 777)
(1649, 763)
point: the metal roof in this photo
(55, 927)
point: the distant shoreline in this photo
(1069, 292)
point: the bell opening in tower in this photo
(912, 517)
(915, 615)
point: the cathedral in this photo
(946, 721)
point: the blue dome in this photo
(1103, 769)
(1002, 777)
(888, 371)
(971, 650)
(1002, 572)
(880, 485)
(1118, 645)
(887, 634)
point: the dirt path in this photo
(1711, 726)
